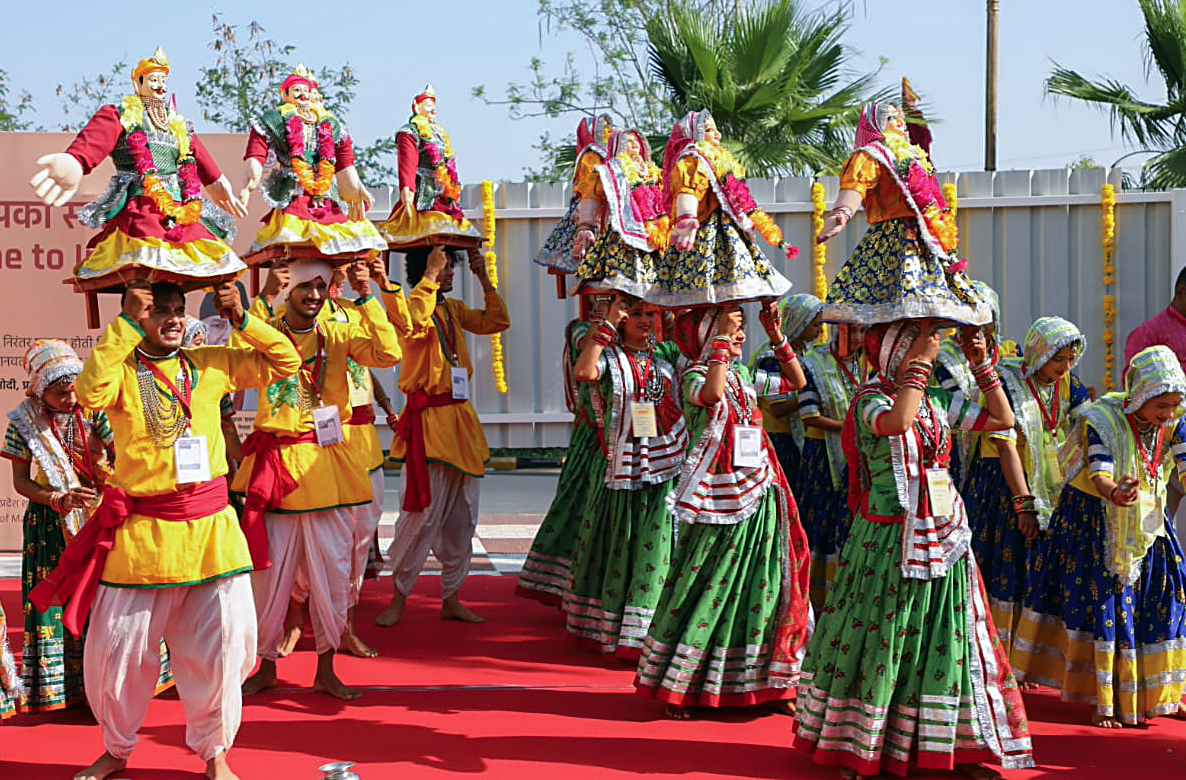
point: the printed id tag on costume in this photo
(191, 459)
(747, 446)
(460, 384)
(1149, 510)
(327, 424)
(939, 490)
(642, 413)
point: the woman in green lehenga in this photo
(624, 540)
(906, 666)
(10, 679)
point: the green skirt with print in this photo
(620, 560)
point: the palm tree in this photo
(1154, 127)
(773, 77)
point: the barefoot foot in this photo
(979, 771)
(1029, 686)
(288, 644)
(104, 766)
(784, 707)
(850, 774)
(1180, 714)
(217, 769)
(1104, 721)
(264, 678)
(353, 644)
(676, 712)
(327, 681)
(453, 609)
(394, 611)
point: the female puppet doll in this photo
(734, 615)
(624, 541)
(316, 197)
(429, 208)
(593, 134)
(1012, 489)
(713, 257)
(1105, 606)
(623, 257)
(905, 647)
(152, 215)
(906, 264)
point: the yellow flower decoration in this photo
(1108, 241)
(950, 196)
(490, 230)
(819, 251)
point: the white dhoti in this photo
(211, 633)
(445, 527)
(366, 522)
(318, 545)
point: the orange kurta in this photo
(691, 175)
(883, 197)
(452, 433)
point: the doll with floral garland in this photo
(712, 257)
(316, 197)
(152, 214)
(429, 208)
(623, 257)
(593, 134)
(906, 265)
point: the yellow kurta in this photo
(330, 476)
(691, 175)
(452, 433)
(882, 196)
(363, 440)
(586, 183)
(149, 552)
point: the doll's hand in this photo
(58, 179)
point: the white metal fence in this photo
(1035, 236)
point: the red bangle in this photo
(784, 352)
(687, 219)
(719, 356)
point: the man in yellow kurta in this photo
(177, 560)
(438, 437)
(299, 468)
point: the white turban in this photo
(306, 271)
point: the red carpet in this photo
(508, 699)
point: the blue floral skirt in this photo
(892, 275)
(1001, 549)
(611, 265)
(723, 265)
(557, 249)
(823, 511)
(1119, 647)
(788, 456)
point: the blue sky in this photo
(396, 48)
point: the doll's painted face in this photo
(1057, 366)
(894, 121)
(299, 95)
(633, 147)
(711, 134)
(315, 97)
(427, 108)
(1159, 409)
(153, 84)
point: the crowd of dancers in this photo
(885, 534)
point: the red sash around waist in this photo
(76, 577)
(267, 486)
(362, 415)
(417, 490)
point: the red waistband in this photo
(362, 415)
(417, 491)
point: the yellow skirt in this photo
(153, 553)
(329, 239)
(202, 257)
(404, 228)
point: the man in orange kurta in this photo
(439, 438)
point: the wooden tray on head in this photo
(117, 281)
(289, 253)
(459, 240)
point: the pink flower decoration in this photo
(325, 141)
(141, 154)
(191, 185)
(645, 200)
(958, 266)
(434, 154)
(792, 251)
(451, 167)
(924, 187)
(296, 136)
(737, 194)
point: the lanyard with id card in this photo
(939, 492)
(642, 418)
(747, 446)
(191, 458)
(460, 378)
(327, 425)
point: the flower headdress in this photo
(158, 61)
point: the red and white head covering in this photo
(617, 143)
(871, 126)
(888, 342)
(694, 329)
(688, 131)
(47, 361)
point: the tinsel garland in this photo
(490, 231)
(1108, 240)
(819, 250)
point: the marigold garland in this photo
(819, 250)
(951, 198)
(441, 159)
(490, 231)
(1108, 241)
(189, 209)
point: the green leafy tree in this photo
(1159, 128)
(13, 111)
(773, 77)
(82, 99)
